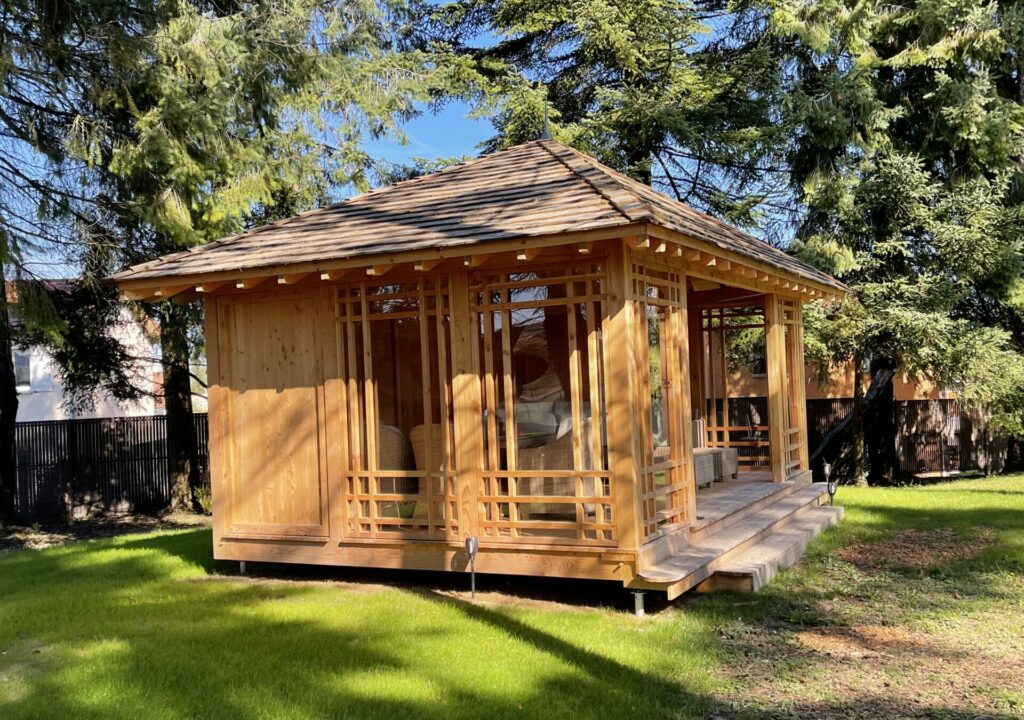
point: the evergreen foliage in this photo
(906, 162)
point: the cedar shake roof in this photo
(538, 188)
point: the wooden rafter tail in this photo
(137, 295)
(426, 265)
(584, 248)
(659, 246)
(292, 279)
(250, 282)
(526, 254)
(639, 242)
(167, 292)
(208, 287)
(339, 274)
(379, 270)
(184, 298)
(474, 261)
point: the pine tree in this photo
(181, 122)
(679, 95)
(907, 161)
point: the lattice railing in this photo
(546, 507)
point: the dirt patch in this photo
(38, 537)
(870, 671)
(860, 642)
(916, 549)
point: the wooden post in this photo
(217, 446)
(798, 385)
(775, 354)
(336, 415)
(695, 345)
(620, 360)
(468, 409)
(681, 327)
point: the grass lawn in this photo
(912, 607)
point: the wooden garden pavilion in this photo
(529, 349)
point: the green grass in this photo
(149, 626)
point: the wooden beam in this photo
(184, 298)
(660, 246)
(145, 286)
(638, 242)
(526, 254)
(584, 248)
(474, 261)
(379, 270)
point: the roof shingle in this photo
(534, 189)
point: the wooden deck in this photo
(726, 498)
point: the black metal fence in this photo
(931, 437)
(69, 468)
(937, 437)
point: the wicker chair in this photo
(394, 453)
(418, 438)
(556, 455)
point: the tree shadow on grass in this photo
(126, 629)
(874, 610)
(196, 549)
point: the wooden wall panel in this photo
(274, 460)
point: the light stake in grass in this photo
(830, 483)
(472, 545)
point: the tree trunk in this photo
(182, 451)
(859, 476)
(8, 411)
(881, 438)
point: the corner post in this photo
(467, 403)
(778, 410)
(620, 360)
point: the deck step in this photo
(757, 566)
(767, 493)
(698, 561)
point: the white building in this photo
(40, 388)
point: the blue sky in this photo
(445, 134)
